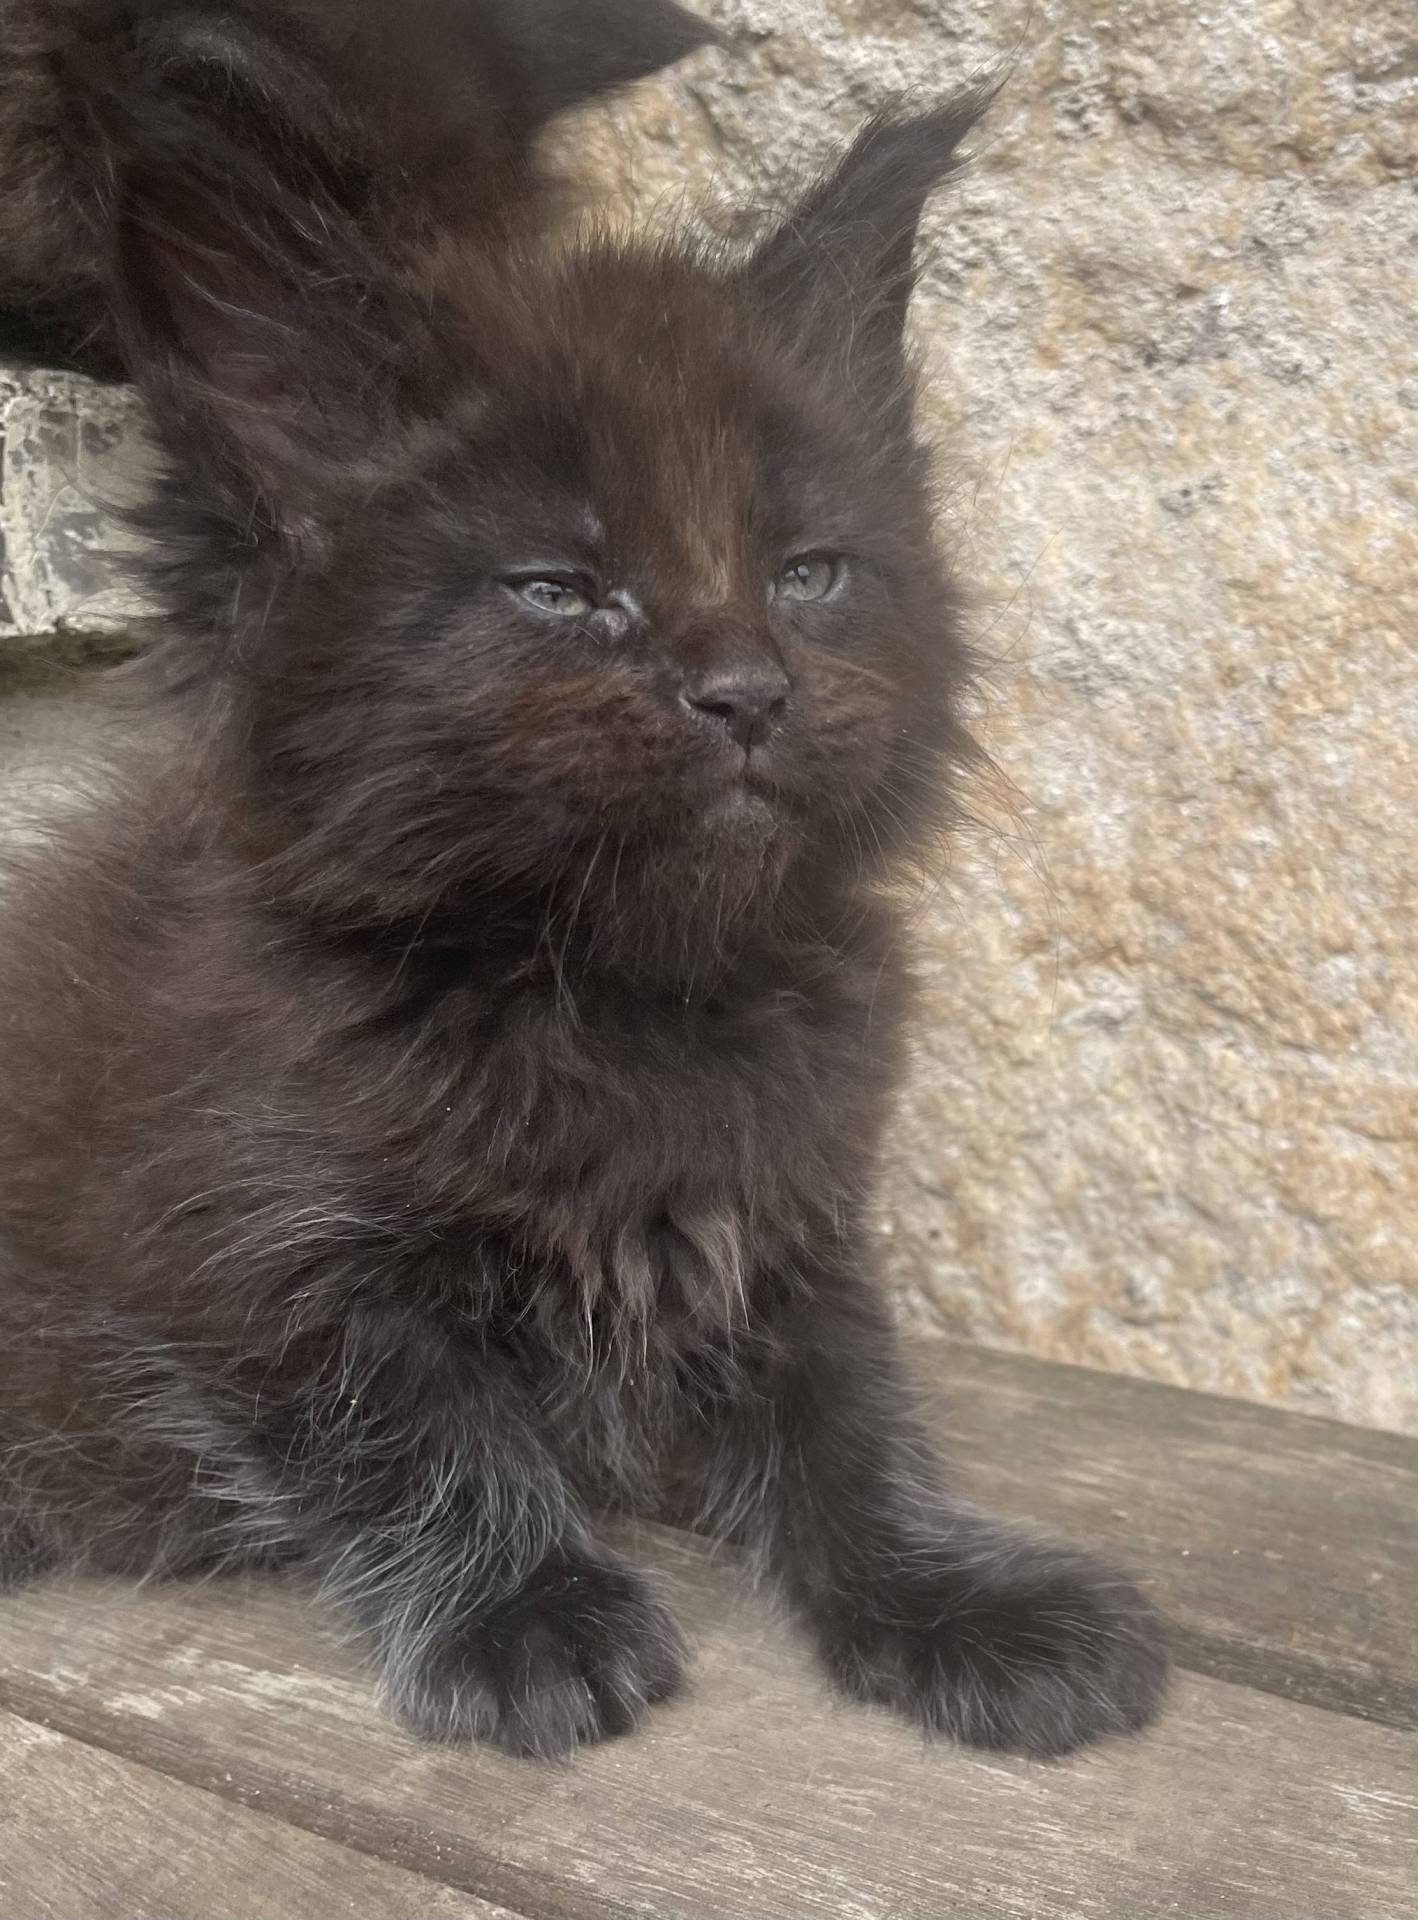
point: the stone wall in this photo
(1165, 1112)
(1165, 1107)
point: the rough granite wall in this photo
(1165, 1108)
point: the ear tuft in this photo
(844, 262)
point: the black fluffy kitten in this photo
(419, 115)
(442, 1090)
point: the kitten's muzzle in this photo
(745, 701)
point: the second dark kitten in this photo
(420, 116)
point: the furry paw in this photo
(575, 1655)
(1005, 1644)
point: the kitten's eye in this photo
(812, 576)
(556, 596)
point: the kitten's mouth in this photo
(734, 790)
(741, 785)
(741, 804)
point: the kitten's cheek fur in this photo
(1037, 1651)
(576, 1654)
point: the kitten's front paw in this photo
(575, 1655)
(1007, 1645)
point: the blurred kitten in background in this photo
(419, 117)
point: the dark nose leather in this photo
(747, 701)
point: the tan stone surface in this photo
(1165, 1111)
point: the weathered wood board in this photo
(1285, 1548)
(86, 1835)
(239, 1716)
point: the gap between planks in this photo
(1282, 1547)
(91, 1832)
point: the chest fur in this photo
(659, 1160)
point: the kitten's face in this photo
(600, 584)
(652, 620)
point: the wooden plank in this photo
(1285, 1548)
(90, 1836)
(757, 1795)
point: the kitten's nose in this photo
(748, 701)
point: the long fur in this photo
(443, 1071)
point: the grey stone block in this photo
(72, 456)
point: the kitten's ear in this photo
(555, 54)
(840, 270)
(257, 332)
(248, 306)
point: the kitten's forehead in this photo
(644, 391)
(628, 390)
(687, 493)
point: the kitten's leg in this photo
(973, 1629)
(416, 1474)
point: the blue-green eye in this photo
(556, 596)
(811, 576)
